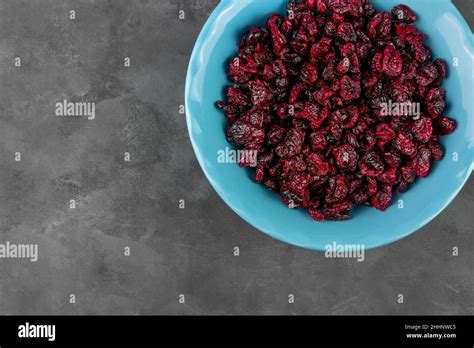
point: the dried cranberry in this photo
(308, 96)
(382, 200)
(346, 32)
(346, 156)
(423, 129)
(275, 135)
(422, 162)
(343, 66)
(350, 88)
(435, 103)
(385, 132)
(437, 150)
(237, 97)
(313, 113)
(371, 164)
(320, 49)
(309, 73)
(371, 186)
(318, 140)
(292, 145)
(392, 63)
(241, 133)
(421, 52)
(330, 28)
(404, 144)
(404, 13)
(426, 74)
(441, 67)
(279, 39)
(236, 74)
(259, 93)
(316, 214)
(445, 125)
(389, 176)
(380, 26)
(316, 164)
(408, 173)
(392, 158)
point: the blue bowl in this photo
(449, 37)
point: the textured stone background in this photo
(135, 204)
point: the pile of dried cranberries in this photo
(314, 95)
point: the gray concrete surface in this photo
(135, 204)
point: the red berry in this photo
(445, 125)
(404, 13)
(308, 94)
